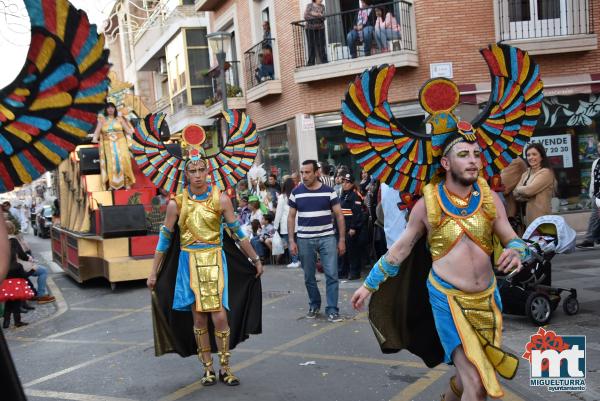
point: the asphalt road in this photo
(95, 344)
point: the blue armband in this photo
(520, 246)
(379, 273)
(236, 230)
(164, 239)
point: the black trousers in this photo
(316, 45)
(350, 262)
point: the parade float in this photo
(101, 232)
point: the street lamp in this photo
(219, 43)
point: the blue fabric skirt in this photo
(442, 316)
(184, 297)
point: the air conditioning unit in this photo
(162, 66)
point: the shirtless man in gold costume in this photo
(461, 245)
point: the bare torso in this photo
(467, 267)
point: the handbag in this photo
(15, 289)
(277, 245)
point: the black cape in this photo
(400, 313)
(173, 330)
(9, 379)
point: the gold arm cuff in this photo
(369, 288)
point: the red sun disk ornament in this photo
(439, 94)
(464, 126)
(194, 134)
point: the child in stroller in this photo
(529, 291)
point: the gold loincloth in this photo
(206, 278)
(478, 321)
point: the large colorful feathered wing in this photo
(166, 170)
(384, 147)
(407, 160)
(508, 121)
(53, 103)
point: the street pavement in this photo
(95, 344)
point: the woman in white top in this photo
(281, 216)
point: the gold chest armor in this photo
(199, 220)
(447, 229)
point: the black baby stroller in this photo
(529, 292)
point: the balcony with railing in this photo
(162, 105)
(235, 96)
(165, 21)
(546, 26)
(261, 75)
(336, 45)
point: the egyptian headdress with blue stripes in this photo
(53, 103)
(407, 160)
(166, 170)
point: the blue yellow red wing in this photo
(388, 151)
(507, 123)
(52, 104)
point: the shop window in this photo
(275, 150)
(569, 131)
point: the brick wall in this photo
(447, 31)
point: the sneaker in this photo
(294, 265)
(334, 317)
(312, 313)
(46, 299)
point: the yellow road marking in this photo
(83, 365)
(345, 358)
(97, 322)
(409, 392)
(83, 308)
(69, 341)
(72, 396)
(196, 386)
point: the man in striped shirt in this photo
(315, 204)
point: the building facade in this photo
(297, 108)
(294, 96)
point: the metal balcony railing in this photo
(260, 64)
(532, 19)
(232, 81)
(335, 37)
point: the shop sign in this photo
(308, 122)
(556, 145)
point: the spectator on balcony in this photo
(362, 30)
(265, 69)
(315, 31)
(266, 33)
(386, 29)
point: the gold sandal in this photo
(228, 378)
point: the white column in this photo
(306, 137)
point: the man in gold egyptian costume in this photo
(201, 282)
(460, 214)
